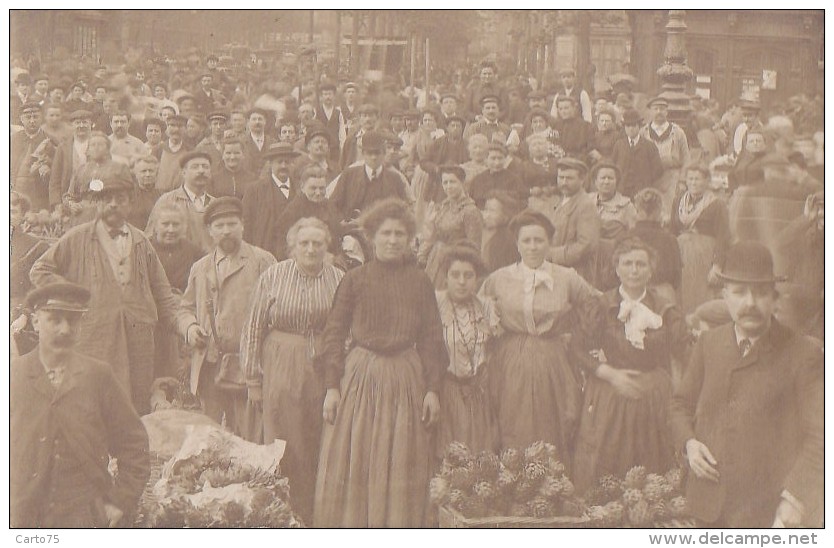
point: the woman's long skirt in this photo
(697, 251)
(293, 394)
(374, 466)
(617, 433)
(466, 415)
(536, 393)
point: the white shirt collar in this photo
(660, 129)
(278, 183)
(201, 200)
(371, 173)
(534, 277)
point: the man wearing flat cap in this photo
(350, 102)
(266, 198)
(70, 156)
(173, 149)
(673, 147)
(68, 416)
(213, 142)
(360, 185)
(23, 143)
(748, 414)
(213, 310)
(192, 197)
(489, 124)
(206, 98)
(576, 220)
(130, 292)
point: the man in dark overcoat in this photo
(68, 415)
(748, 414)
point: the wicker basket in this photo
(450, 518)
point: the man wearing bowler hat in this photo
(364, 183)
(748, 414)
(637, 158)
(130, 292)
(213, 310)
(70, 156)
(318, 144)
(68, 416)
(266, 198)
(368, 117)
(192, 197)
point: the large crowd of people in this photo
(320, 262)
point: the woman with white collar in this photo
(628, 388)
(534, 387)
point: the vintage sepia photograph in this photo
(417, 269)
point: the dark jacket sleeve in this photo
(127, 442)
(166, 303)
(685, 399)
(804, 481)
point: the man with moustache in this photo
(673, 147)
(266, 198)
(231, 178)
(145, 171)
(23, 144)
(124, 148)
(576, 220)
(68, 416)
(192, 197)
(258, 142)
(748, 414)
(130, 292)
(214, 308)
(173, 150)
(70, 156)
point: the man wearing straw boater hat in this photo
(748, 415)
(68, 415)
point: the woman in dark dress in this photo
(628, 388)
(382, 394)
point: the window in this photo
(86, 39)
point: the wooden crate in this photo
(449, 518)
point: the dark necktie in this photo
(744, 347)
(117, 233)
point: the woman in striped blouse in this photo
(287, 313)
